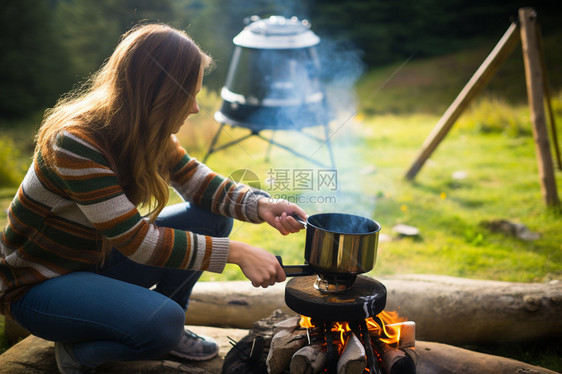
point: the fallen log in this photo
(233, 304)
(34, 355)
(445, 309)
(437, 358)
(464, 311)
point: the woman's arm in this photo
(198, 184)
(279, 214)
(258, 265)
(83, 175)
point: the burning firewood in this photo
(395, 360)
(407, 334)
(407, 338)
(310, 359)
(352, 359)
(290, 324)
(283, 346)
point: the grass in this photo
(501, 182)
(490, 147)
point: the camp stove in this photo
(342, 310)
(327, 300)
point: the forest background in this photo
(48, 46)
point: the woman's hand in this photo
(258, 265)
(278, 214)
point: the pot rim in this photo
(376, 229)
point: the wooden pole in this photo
(548, 96)
(534, 79)
(476, 84)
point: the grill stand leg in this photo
(324, 142)
(331, 366)
(269, 146)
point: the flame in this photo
(306, 322)
(342, 329)
(388, 333)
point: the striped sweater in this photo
(56, 218)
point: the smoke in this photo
(304, 89)
(340, 66)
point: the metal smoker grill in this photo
(274, 83)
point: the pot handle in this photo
(300, 220)
(295, 270)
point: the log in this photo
(290, 324)
(395, 361)
(283, 346)
(233, 304)
(352, 359)
(36, 356)
(466, 311)
(309, 359)
(407, 334)
(437, 358)
(462, 311)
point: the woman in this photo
(77, 259)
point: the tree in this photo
(91, 29)
(33, 63)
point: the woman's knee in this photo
(224, 226)
(165, 331)
(212, 224)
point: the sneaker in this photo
(196, 348)
(66, 361)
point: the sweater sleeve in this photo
(85, 176)
(198, 184)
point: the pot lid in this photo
(276, 32)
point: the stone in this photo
(517, 230)
(406, 230)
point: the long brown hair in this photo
(134, 102)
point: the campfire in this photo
(342, 327)
(388, 346)
(388, 328)
(341, 332)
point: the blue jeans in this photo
(110, 314)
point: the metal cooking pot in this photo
(337, 244)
